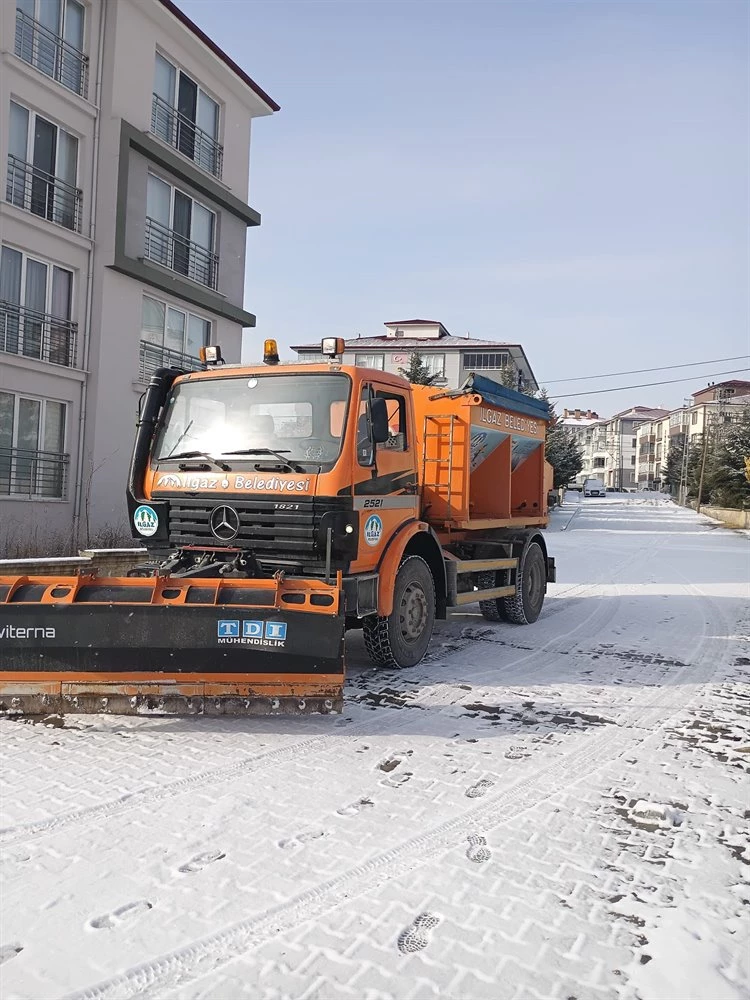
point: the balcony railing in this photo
(153, 356)
(51, 54)
(33, 474)
(167, 247)
(37, 335)
(38, 192)
(182, 133)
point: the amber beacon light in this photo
(270, 352)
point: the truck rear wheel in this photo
(493, 610)
(401, 639)
(526, 606)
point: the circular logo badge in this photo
(373, 529)
(146, 520)
(224, 523)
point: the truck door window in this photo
(396, 406)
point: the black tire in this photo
(526, 606)
(493, 610)
(401, 640)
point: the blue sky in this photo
(572, 176)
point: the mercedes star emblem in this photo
(224, 523)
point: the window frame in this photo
(31, 138)
(186, 313)
(375, 367)
(51, 265)
(432, 356)
(173, 189)
(480, 367)
(43, 401)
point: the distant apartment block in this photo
(709, 410)
(610, 446)
(125, 142)
(450, 359)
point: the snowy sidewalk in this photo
(555, 811)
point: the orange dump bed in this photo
(482, 456)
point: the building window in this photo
(170, 336)
(183, 115)
(487, 360)
(599, 463)
(370, 361)
(634, 443)
(33, 462)
(35, 309)
(49, 36)
(180, 233)
(632, 459)
(312, 359)
(435, 364)
(42, 168)
(694, 417)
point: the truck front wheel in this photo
(401, 640)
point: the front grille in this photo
(272, 535)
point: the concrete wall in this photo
(102, 562)
(732, 518)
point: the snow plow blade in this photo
(170, 646)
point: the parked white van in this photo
(593, 488)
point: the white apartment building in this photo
(684, 427)
(125, 140)
(451, 359)
(610, 446)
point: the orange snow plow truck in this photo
(280, 506)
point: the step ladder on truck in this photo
(281, 506)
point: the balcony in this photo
(152, 357)
(40, 193)
(38, 475)
(37, 335)
(167, 247)
(51, 55)
(185, 136)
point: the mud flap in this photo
(171, 658)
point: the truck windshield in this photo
(260, 418)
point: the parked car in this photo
(593, 488)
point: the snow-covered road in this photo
(555, 811)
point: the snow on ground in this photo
(551, 811)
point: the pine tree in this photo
(671, 473)
(727, 482)
(418, 373)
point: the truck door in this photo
(385, 488)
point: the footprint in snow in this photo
(481, 788)
(355, 807)
(8, 951)
(418, 934)
(201, 861)
(477, 850)
(396, 780)
(122, 915)
(301, 839)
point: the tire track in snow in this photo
(289, 753)
(541, 658)
(590, 753)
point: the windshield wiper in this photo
(269, 451)
(197, 454)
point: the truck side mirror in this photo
(379, 420)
